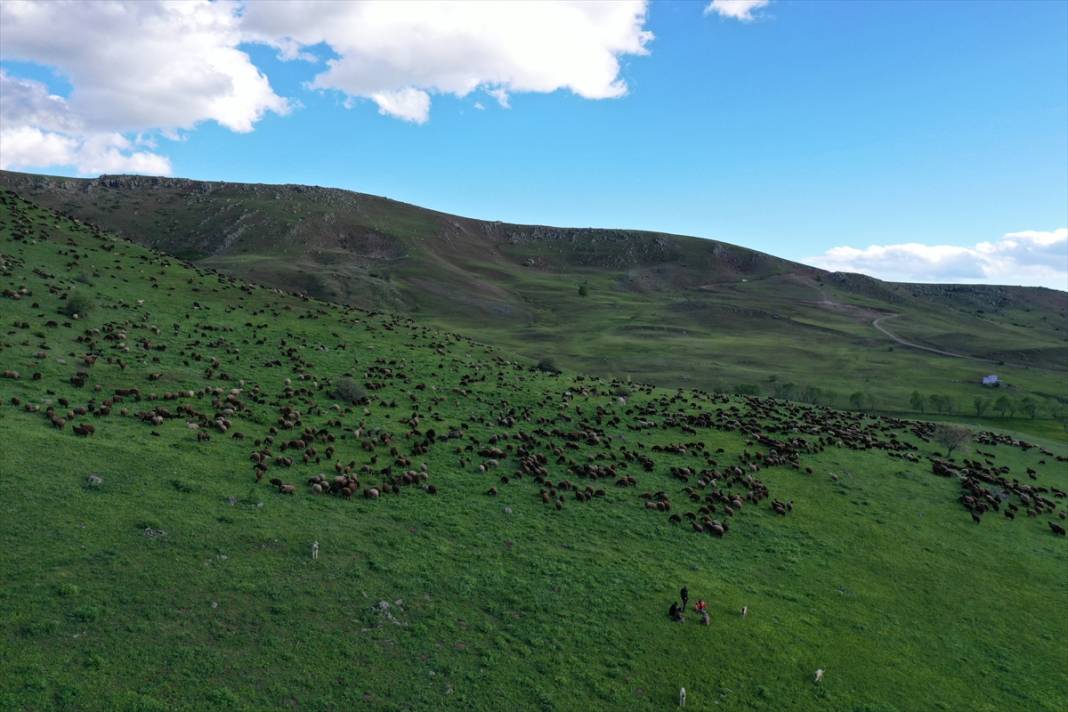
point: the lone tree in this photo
(349, 391)
(981, 405)
(78, 304)
(547, 365)
(917, 401)
(951, 436)
(1002, 405)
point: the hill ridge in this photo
(660, 308)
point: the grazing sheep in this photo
(682, 697)
(819, 676)
(315, 551)
(745, 611)
(1057, 528)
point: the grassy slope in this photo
(663, 309)
(879, 577)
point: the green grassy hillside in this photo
(663, 309)
(148, 563)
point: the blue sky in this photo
(903, 139)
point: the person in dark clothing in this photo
(685, 595)
(673, 612)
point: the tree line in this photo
(933, 403)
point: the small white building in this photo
(991, 380)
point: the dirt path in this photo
(878, 325)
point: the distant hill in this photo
(660, 308)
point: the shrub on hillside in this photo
(547, 365)
(78, 304)
(348, 390)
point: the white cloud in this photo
(147, 64)
(735, 9)
(399, 53)
(158, 68)
(501, 96)
(134, 67)
(37, 129)
(1031, 257)
(407, 103)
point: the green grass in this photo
(879, 577)
(662, 309)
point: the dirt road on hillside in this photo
(878, 325)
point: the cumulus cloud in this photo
(161, 67)
(735, 9)
(38, 129)
(137, 66)
(397, 54)
(147, 64)
(1031, 257)
(407, 103)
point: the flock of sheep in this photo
(583, 438)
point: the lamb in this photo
(819, 676)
